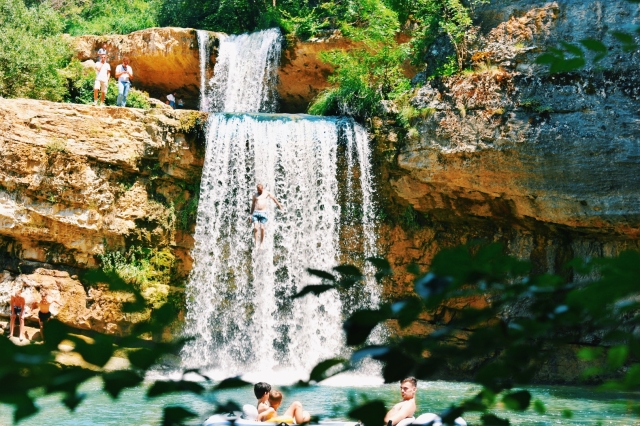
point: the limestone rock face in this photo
(511, 142)
(96, 309)
(79, 181)
(164, 60)
(302, 74)
(544, 164)
(75, 178)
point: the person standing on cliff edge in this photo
(259, 213)
(124, 74)
(103, 72)
(17, 308)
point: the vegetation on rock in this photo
(32, 51)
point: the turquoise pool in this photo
(589, 406)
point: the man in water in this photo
(17, 308)
(259, 212)
(407, 407)
(44, 314)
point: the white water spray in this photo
(203, 48)
(240, 309)
(246, 73)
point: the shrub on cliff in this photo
(107, 16)
(32, 50)
(369, 74)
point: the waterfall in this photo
(239, 306)
(246, 73)
(203, 48)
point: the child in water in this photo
(294, 413)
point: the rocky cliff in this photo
(545, 164)
(77, 182)
(166, 60)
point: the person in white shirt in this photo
(124, 74)
(103, 72)
(171, 97)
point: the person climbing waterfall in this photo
(259, 213)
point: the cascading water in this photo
(203, 48)
(240, 311)
(246, 73)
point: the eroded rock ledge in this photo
(166, 60)
(546, 165)
(77, 181)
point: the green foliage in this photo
(31, 51)
(567, 57)
(434, 18)
(408, 114)
(409, 219)
(362, 79)
(108, 16)
(552, 312)
(150, 271)
(229, 16)
(56, 145)
(31, 371)
(447, 68)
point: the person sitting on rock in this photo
(44, 313)
(17, 308)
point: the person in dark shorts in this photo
(17, 309)
(44, 313)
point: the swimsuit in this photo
(17, 310)
(260, 216)
(44, 316)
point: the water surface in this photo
(589, 406)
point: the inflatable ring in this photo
(280, 420)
